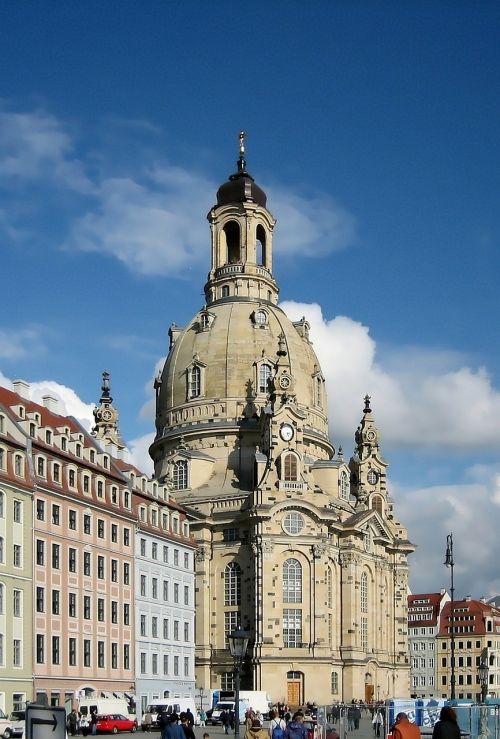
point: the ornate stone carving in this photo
(319, 550)
(200, 554)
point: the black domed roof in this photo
(241, 187)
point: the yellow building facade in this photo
(294, 543)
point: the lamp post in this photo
(201, 691)
(482, 671)
(449, 562)
(238, 643)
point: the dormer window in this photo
(32, 430)
(194, 381)
(64, 444)
(78, 450)
(180, 474)
(260, 318)
(264, 377)
(48, 437)
(290, 467)
(92, 456)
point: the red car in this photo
(115, 722)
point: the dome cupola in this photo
(241, 186)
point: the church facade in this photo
(295, 544)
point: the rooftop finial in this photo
(241, 161)
(105, 386)
(367, 404)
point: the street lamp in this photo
(200, 691)
(449, 562)
(482, 671)
(238, 643)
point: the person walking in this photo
(256, 731)
(93, 723)
(224, 719)
(186, 726)
(203, 718)
(147, 721)
(377, 722)
(296, 728)
(447, 727)
(277, 726)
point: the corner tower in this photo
(287, 546)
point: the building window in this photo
(364, 633)
(86, 524)
(154, 587)
(126, 537)
(17, 602)
(72, 478)
(186, 595)
(100, 567)
(290, 471)
(176, 666)
(176, 557)
(143, 663)
(176, 631)
(40, 600)
(72, 605)
(377, 504)
(40, 552)
(55, 603)
(86, 484)
(18, 465)
(264, 378)
(72, 520)
(100, 489)
(126, 573)
(56, 472)
(126, 614)
(114, 612)
(165, 550)
(86, 652)
(232, 584)
(40, 510)
(176, 592)
(186, 631)
(114, 655)
(100, 528)
(154, 627)
(227, 681)
(86, 564)
(194, 382)
(165, 664)
(143, 625)
(186, 666)
(114, 533)
(72, 651)
(100, 654)
(40, 649)
(100, 609)
(18, 558)
(114, 570)
(293, 523)
(364, 593)
(292, 581)
(292, 627)
(154, 551)
(40, 466)
(55, 556)
(72, 559)
(126, 656)
(165, 629)
(344, 485)
(18, 510)
(56, 650)
(329, 587)
(143, 547)
(180, 474)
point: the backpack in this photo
(278, 730)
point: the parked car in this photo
(4, 722)
(115, 722)
(15, 729)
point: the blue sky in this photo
(373, 127)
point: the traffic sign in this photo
(45, 722)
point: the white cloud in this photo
(18, 343)
(311, 227)
(139, 455)
(435, 401)
(432, 513)
(36, 145)
(69, 402)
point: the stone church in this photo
(296, 544)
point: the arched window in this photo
(261, 245)
(377, 504)
(264, 377)
(194, 382)
(290, 467)
(180, 474)
(292, 581)
(18, 464)
(232, 232)
(319, 392)
(363, 593)
(232, 584)
(344, 485)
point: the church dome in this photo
(241, 187)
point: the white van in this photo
(104, 706)
(168, 705)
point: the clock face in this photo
(107, 415)
(285, 382)
(286, 432)
(370, 435)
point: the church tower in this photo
(295, 545)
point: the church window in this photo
(180, 474)
(364, 593)
(232, 584)
(260, 317)
(227, 681)
(372, 477)
(377, 504)
(364, 634)
(292, 627)
(290, 467)
(319, 392)
(261, 245)
(231, 623)
(335, 683)
(293, 523)
(194, 382)
(329, 587)
(232, 233)
(344, 485)
(264, 377)
(225, 291)
(292, 581)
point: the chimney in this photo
(22, 388)
(51, 403)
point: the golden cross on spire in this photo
(242, 143)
